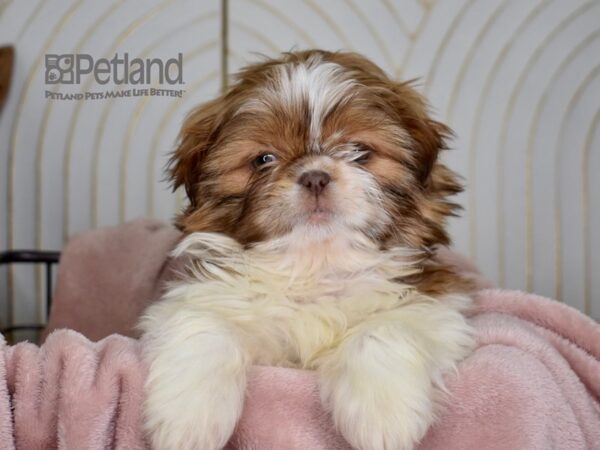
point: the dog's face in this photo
(315, 146)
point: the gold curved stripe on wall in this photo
(398, 19)
(585, 211)
(445, 41)
(99, 134)
(471, 213)
(39, 154)
(500, 162)
(329, 21)
(414, 38)
(472, 210)
(575, 99)
(529, 163)
(288, 22)
(36, 10)
(411, 35)
(135, 117)
(28, 21)
(160, 130)
(376, 36)
(466, 62)
(535, 56)
(64, 19)
(132, 27)
(258, 36)
(141, 104)
(488, 83)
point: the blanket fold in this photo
(71, 393)
(533, 383)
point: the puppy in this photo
(316, 202)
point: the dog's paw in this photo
(193, 419)
(371, 431)
(382, 423)
(375, 408)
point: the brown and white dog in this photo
(317, 200)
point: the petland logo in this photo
(70, 68)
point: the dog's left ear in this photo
(196, 138)
(428, 136)
(438, 182)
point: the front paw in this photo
(379, 415)
(193, 419)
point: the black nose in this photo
(314, 180)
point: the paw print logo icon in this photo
(59, 69)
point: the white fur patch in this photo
(320, 85)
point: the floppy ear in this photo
(428, 135)
(196, 137)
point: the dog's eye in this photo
(361, 153)
(264, 159)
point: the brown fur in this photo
(216, 147)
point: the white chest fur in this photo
(289, 307)
(380, 347)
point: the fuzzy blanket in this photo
(533, 382)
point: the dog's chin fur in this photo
(354, 292)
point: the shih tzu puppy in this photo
(316, 204)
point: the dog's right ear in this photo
(198, 134)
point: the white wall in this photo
(518, 80)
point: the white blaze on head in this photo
(320, 85)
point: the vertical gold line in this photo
(224, 45)
(585, 186)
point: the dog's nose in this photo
(314, 180)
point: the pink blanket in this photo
(533, 382)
